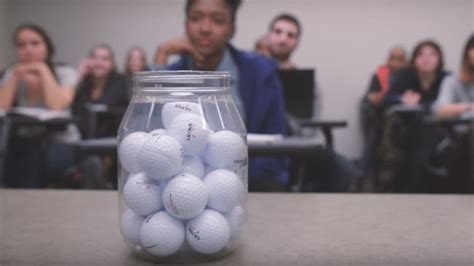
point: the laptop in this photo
(298, 90)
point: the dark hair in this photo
(232, 4)
(45, 36)
(109, 49)
(128, 72)
(287, 17)
(432, 44)
(88, 80)
(467, 71)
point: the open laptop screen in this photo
(298, 89)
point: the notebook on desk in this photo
(298, 90)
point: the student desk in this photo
(64, 227)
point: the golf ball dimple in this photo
(208, 233)
(236, 220)
(185, 196)
(130, 225)
(129, 149)
(194, 166)
(173, 109)
(225, 149)
(225, 190)
(142, 194)
(161, 157)
(161, 234)
(189, 130)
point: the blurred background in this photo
(343, 40)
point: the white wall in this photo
(345, 40)
(3, 34)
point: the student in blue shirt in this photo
(255, 87)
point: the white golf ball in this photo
(194, 166)
(161, 157)
(225, 190)
(158, 132)
(188, 129)
(226, 149)
(208, 233)
(173, 109)
(161, 234)
(185, 196)
(142, 194)
(236, 219)
(130, 225)
(129, 149)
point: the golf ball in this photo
(208, 233)
(235, 218)
(173, 109)
(189, 130)
(142, 194)
(161, 157)
(158, 132)
(194, 166)
(129, 149)
(161, 234)
(185, 196)
(224, 188)
(226, 149)
(130, 225)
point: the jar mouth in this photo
(181, 80)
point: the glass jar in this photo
(183, 161)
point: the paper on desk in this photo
(42, 114)
(263, 138)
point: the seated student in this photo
(135, 61)
(406, 142)
(371, 110)
(418, 84)
(36, 81)
(255, 87)
(100, 84)
(457, 91)
(334, 172)
(456, 98)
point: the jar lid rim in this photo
(184, 74)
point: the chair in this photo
(300, 89)
(4, 132)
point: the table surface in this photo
(61, 227)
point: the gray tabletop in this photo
(46, 227)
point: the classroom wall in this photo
(3, 34)
(345, 40)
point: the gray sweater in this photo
(454, 91)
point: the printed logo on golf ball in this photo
(142, 194)
(161, 157)
(208, 233)
(185, 196)
(158, 132)
(189, 131)
(226, 150)
(173, 109)
(161, 234)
